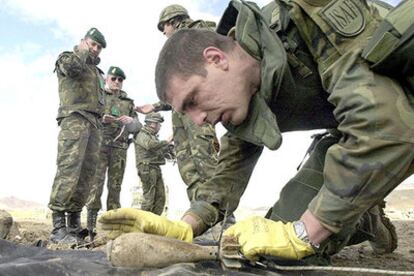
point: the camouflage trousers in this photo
(301, 189)
(196, 150)
(79, 143)
(153, 188)
(112, 162)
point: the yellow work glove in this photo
(126, 220)
(259, 236)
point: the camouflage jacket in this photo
(117, 106)
(80, 85)
(298, 92)
(148, 148)
(196, 147)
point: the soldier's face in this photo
(218, 97)
(95, 47)
(168, 29)
(156, 127)
(114, 83)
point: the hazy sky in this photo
(33, 33)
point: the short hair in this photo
(182, 55)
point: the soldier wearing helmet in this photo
(175, 17)
(150, 152)
(196, 147)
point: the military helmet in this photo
(154, 117)
(170, 12)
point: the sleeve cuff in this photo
(333, 211)
(206, 214)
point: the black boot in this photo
(74, 226)
(91, 223)
(384, 238)
(59, 227)
(59, 233)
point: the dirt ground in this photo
(401, 259)
(29, 232)
(32, 225)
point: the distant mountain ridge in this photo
(12, 203)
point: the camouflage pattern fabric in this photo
(373, 114)
(79, 143)
(149, 153)
(196, 147)
(199, 24)
(196, 150)
(153, 188)
(376, 153)
(113, 154)
(148, 148)
(304, 186)
(81, 104)
(117, 106)
(80, 84)
(112, 162)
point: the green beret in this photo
(96, 35)
(116, 71)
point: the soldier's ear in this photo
(215, 56)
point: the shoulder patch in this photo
(344, 16)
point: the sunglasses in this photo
(117, 78)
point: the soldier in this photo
(150, 152)
(81, 106)
(175, 17)
(196, 147)
(119, 121)
(303, 72)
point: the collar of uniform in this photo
(260, 126)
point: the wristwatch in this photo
(300, 231)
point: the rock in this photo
(6, 222)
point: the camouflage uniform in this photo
(149, 153)
(314, 78)
(196, 147)
(113, 152)
(81, 105)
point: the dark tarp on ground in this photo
(17, 260)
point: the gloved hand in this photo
(259, 236)
(126, 220)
